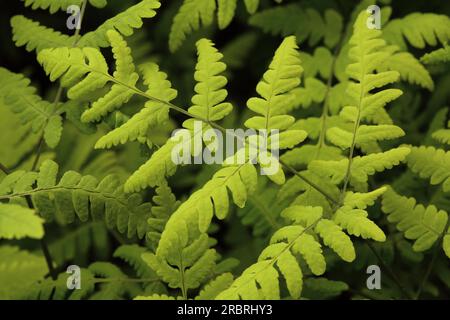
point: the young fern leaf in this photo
(17, 222)
(208, 105)
(251, 5)
(431, 163)
(212, 289)
(419, 29)
(77, 196)
(304, 24)
(276, 91)
(124, 23)
(153, 114)
(25, 30)
(191, 15)
(361, 167)
(425, 225)
(18, 270)
(21, 98)
(441, 55)
(225, 12)
(55, 5)
(70, 65)
(442, 135)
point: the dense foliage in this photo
(86, 155)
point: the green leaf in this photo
(17, 222)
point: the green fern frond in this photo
(361, 167)
(191, 15)
(165, 205)
(225, 12)
(186, 269)
(84, 197)
(208, 105)
(251, 5)
(124, 23)
(442, 135)
(425, 225)
(420, 29)
(153, 114)
(409, 68)
(438, 56)
(17, 222)
(57, 289)
(132, 255)
(70, 65)
(55, 5)
(208, 102)
(212, 289)
(276, 91)
(18, 270)
(21, 98)
(303, 23)
(25, 30)
(75, 245)
(431, 163)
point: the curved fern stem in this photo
(4, 169)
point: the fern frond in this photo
(21, 98)
(70, 65)
(361, 167)
(409, 68)
(55, 5)
(75, 245)
(25, 30)
(17, 222)
(419, 29)
(276, 91)
(431, 163)
(191, 15)
(208, 102)
(79, 196)
(186, 269)
(303, 23)
(57, 289)
(425, 225)
(437, 56)
(225, 12)
(153, 114)
(356, 223)
(212, 289)
(19, 269)
(442, 135)
(166, 204)
(208, 105)
(124, 23)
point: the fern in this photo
(276, 92)
(19, 269)
(303, 23)
(191, 15)
(77, 196)
(25, 30)
(208, 105)
(70, 66)
(54, 6)
(431, 163)
(22, 99)
(17, 222)
(153, 113)
(425, 225)
(419, 29)
(123, 23)
(437, 56)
